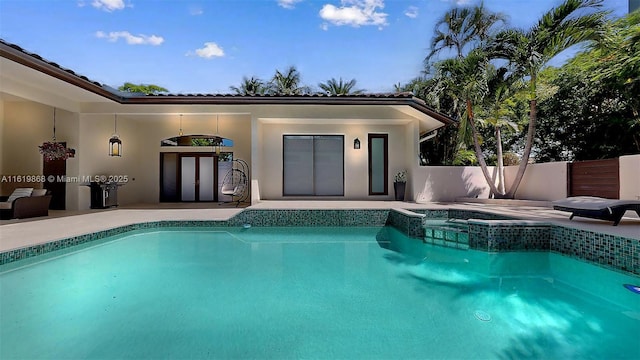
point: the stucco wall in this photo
(630, 177)
(2, 151)
(356, 186)
(257, 168)
(544, 182)
(25, 126)
(412, 162)
(447, 183)
(141, 136)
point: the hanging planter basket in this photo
(55, 151)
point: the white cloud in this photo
(411, 12)
(288, 4)
(108, 5)
(131, 39)
(355, 13)
(209, 51)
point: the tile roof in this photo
(16, 53)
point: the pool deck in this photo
(15, 234)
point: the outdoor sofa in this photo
(25, 203)
(597, 208)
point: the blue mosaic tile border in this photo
(614, 252)
(505, 236)
(433, 214)
(410, 223)
(360, 217)
(460, 214)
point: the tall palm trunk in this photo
(500, 160)
(527, 149)
(478, 150)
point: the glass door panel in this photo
(188, 176)
(328, 165)
(378, 164)
(298, 165)
(206, 172)
(169, 180)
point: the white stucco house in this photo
(296, 147)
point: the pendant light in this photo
(54, 125)
(180, 133)
(115, 144)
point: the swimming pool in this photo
(310, 293)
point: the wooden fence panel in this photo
(595, 178)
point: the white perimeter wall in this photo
(447, 183)
(630, 177)
(543, 182)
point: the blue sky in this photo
(206, 46)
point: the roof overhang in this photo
(37, 74)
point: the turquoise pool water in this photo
(310, 293)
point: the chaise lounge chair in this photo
(25, 203)
(597, 208)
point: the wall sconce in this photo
(115, 144)
(356, 144)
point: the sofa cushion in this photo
(18, 193)
(39, 192)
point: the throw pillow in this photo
(19, 192)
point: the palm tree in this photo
(530, 50)
(333, 87)
(501, 110)
(288, 83)
(466, 79)
(461, 27)
(250, 86)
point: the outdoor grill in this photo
(103, 194)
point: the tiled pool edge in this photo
(488, 233)
(254, 217)
(495, 233)
(614, 252)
